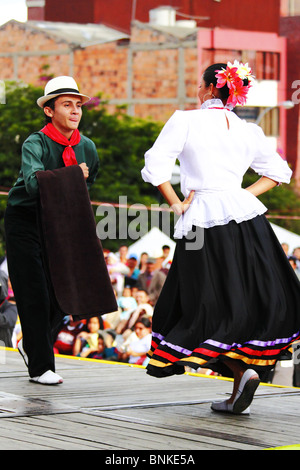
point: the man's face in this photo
(67, 114)
(150, 267)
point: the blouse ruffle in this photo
(210, 208)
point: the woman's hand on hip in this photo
(181, 207)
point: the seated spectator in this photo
(95, 351)
(135, 351)
(296, 253)
(110, 352)
(122, 254)
(134, 291)
(65, 340)
(133, 274)
(152, 281)
(8, 313)
(87, 339)
(117, 271)
(166, 252)
(167, 258)
(293, 263)
(127, 303)
(143, 308)
(106, 348)
(143, 262)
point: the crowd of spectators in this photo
(123, 335)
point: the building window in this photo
(264, 65)
(270, 122)
(294, 7)
(267, 66)
(249, 113)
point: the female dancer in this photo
(231, 301)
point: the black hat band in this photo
(63, 90)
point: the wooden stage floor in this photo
(116, 407)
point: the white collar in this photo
(215, 103)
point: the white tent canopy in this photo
(154, 240)
(152, 244)
(285, 236)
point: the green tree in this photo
(280, 201)
(19, 117)
(121, 142)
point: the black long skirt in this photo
(236, 297)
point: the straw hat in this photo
(61, 86)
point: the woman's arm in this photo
(131, 352)
(261, 186)
(86, 352)
(179, 207)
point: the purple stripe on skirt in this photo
(226, 347)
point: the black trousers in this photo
(39, 314)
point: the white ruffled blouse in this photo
(213, 160)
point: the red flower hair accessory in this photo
(233, 76)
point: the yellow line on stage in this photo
(292, 447)
(194, 374)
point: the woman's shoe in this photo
(48, 378)
(244, 396)
(226, 407)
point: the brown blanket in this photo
(74, 255)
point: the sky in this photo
(12, 9)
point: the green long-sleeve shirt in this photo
(39, 153)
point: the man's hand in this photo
(85, 170)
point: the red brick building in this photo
(156, 68)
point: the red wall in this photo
(290, 27)
(249, 15)
(36, 14)
(75, 11)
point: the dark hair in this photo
(145, 321)
(209, 76)
(49, 104)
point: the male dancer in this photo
(57, 145)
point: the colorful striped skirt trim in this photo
(257, 354)
(237, 297)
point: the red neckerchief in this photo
(68, 155)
